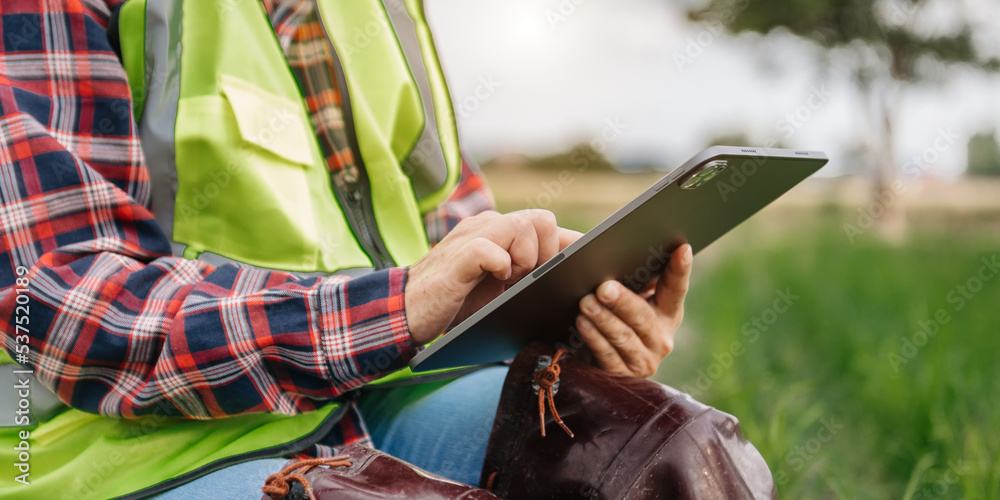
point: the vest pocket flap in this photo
(268, 120)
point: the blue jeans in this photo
(442, 427)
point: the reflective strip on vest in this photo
(426, 165)
(162, 42)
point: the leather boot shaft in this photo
(633, 439)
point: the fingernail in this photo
(582, 323)
(608, 292)
(590, 305)
(687, 256)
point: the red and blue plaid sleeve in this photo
(116, 325)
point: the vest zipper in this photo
(354, 192)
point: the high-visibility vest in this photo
(238, 175)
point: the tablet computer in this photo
(696, 203)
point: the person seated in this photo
(234, 223)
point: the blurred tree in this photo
(579, 158)
(731, 139)
(984, 154)
(740, 139)
(857, 160)
(882, 44)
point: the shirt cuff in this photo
(363, 330)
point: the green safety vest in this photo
(238, 175)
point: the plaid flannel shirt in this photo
(119, 326)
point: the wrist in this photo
(415, 322)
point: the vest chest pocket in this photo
(251, 185)
(269, 121)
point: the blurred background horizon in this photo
(538, 77)
(881, 379)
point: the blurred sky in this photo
(529, 76)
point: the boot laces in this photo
(277, 485)
(547, 378)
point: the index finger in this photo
(546, 231)
(673, 285)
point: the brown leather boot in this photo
(363, 474)
(631, 438)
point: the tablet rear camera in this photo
(705, 174)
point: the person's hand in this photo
(474, 263)
(630, 333)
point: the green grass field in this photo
(833, 383)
